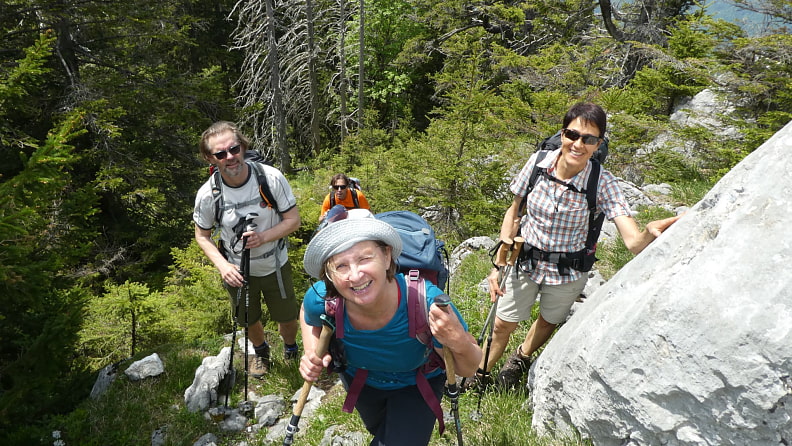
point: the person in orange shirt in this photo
(344, 192)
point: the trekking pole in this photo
(245, 270)
(321, 348)
(231, 375)
(500, 261)
(509, 259)
(506, 261)
(452, 390)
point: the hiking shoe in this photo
(480, 381)
(512, 372)
(290, 352)
(259, 367)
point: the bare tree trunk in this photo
(342, 96)
(607, 17)
(314, 82)
(361, 69)
(277, 94)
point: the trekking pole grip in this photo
(503, 252)
(442, 301)
(516, 248)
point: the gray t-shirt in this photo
(239, 202)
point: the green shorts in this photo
(280, 309)
(555, 301)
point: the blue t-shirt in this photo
(389, 354)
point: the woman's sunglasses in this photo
(233, 150)
(574, 135)
(339, 187)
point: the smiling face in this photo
(576, 154)
(359, 274)
(231, 166)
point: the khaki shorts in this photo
(554, 300)
(280, 309)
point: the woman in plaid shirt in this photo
(556, 220)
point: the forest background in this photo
(432, 104)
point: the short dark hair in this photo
(589, 113)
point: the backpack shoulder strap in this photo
(419, 329)
(591, 185)
(335, 309)
(536, 172)
(355, 198)
(417, 315)
(595, 220)
(264, 189)
(216, 183)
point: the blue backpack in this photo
(421, 250)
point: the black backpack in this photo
(584, 259)
(254, 160)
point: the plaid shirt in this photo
(557, 218)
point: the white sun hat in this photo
(339, 234)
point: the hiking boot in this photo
(291, 352)
(259, 366)
(480, 381)
(516, 366)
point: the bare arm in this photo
(635, 239)
(228, 271)
(311, 365)
(449, 331)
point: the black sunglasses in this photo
(233, 150)
(339, 187)
(573, 135)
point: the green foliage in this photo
(689, 193)
(664, 166)
(39, 316)
(119, 322)
(613, 254)
(198, 304)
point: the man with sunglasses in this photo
(270, 273)
(343, 192)
(555, 222)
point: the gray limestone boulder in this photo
(691, 342)
(145, 368)
(203, 392)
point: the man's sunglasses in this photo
(339, 186)
(573, 136)
(233, 150)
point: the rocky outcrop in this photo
(691, 342)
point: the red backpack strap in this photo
(335, 309)
(416, 308)
(354, 390)
(429, 397)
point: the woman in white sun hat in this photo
(382, 368)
